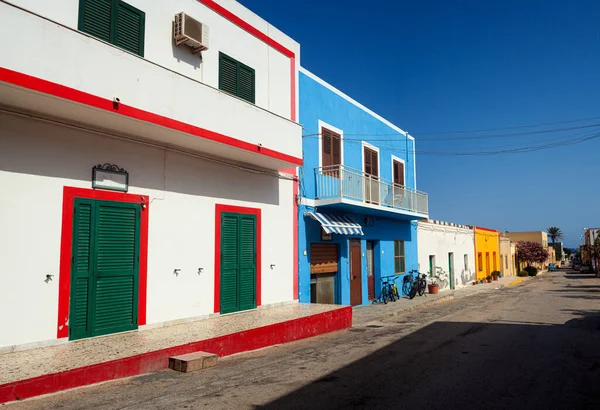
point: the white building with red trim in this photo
(142, 180)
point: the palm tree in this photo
(554, 233)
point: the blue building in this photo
(358, 199)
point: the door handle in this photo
(354, 277)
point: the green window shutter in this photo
(245, 83)
(228, 81)
(247, 245)
(116, 267)
(81, 270)
(236, 78)
(95, 18)
(130, 28)
(230, 261)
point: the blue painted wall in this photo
(319, 103)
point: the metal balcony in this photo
(339, 184)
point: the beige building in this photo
(507, 256)
(534, 236)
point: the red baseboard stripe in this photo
(251, 339)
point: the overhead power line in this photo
(509, 135)
(508, 128)
(527, 148)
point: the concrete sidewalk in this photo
(44, 370)
(363, 315)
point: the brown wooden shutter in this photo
(371, 162)
(326, 157)
(336, 149)
(323, 258)
(398, 173)
(374, 163)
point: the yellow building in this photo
(487, 251)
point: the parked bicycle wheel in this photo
(384, 296)
(413, 291)
(422, 286)
(390, 292)
(396, 292)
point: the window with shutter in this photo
(115, 22)
(331, 151)
(399, 259)
(236, 78)
(371, 162)
(398, 173)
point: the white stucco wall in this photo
(37, 159)
(83, 63)
(272, 68)
(440, 240)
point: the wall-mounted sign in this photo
(111, 177)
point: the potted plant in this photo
(433, 285)
(489, 278)
(495, 275)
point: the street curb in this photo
(440, 300)
(143, 363)
(516, 281)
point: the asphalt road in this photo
(533, 346)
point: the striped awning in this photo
(336, 223)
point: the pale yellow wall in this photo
(537, 236)
(506, 257)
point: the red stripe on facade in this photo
(219, 209)
(217, 8)
(247, 340)
(485, 229)
(293, 81)
(66, 246)
(214, 6)
(294, 231)
(71, 94)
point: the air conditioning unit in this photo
(189, 31)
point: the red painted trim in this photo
(220, 208)
(486, 229)
(66, 245)
(292, 171)
(252, 339)
(293, 85)
(61, 91)
(213, 5)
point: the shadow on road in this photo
(459, 365)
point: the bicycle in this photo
(413, 285)
(389, 290)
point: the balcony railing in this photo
(345, 183)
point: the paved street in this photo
(535, 345)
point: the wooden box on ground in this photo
(193, 361)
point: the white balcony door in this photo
(371, 167)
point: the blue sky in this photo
(432, 66)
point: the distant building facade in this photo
(448, 248)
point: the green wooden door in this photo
(238, 262)
(451, 269)
(105, 268)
